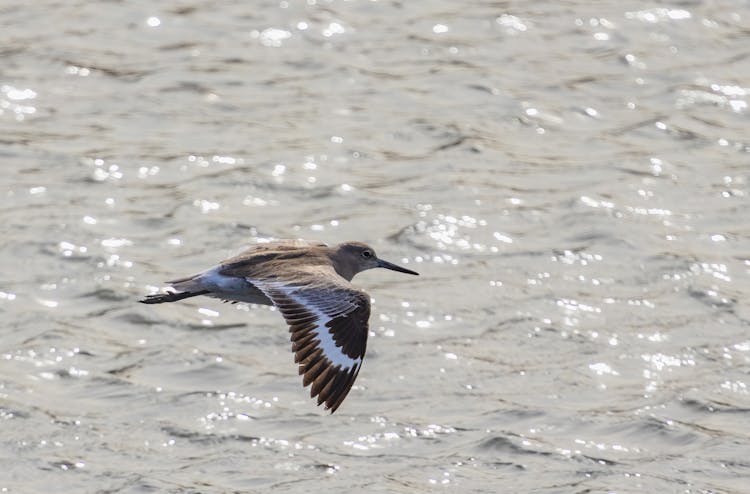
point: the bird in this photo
(310, 284)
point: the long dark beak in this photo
(393, 267)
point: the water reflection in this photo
(575, 206)
(14, 101)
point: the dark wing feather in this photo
(328, 323)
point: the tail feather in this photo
(160, 298)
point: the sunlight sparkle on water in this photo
(513, 24)
(659, 14)
(272, 37)
(600, 368)
(333, 29)
(10, 97)
(206, 206)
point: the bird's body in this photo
(309, 283)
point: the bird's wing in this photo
(328, 322)
(257, 262)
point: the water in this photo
(571, 179)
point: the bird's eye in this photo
(366, 254)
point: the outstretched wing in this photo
(328, 323)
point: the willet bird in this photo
(309, 283)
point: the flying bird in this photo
(309, 283)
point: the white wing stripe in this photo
(324, 336)
(326, 343)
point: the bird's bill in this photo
(393, 267)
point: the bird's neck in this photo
(342, 268)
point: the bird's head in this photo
(351, 258)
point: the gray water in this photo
(570, 178)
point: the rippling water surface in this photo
(570, 178)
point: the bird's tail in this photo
(187, 287)
(160, 298)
